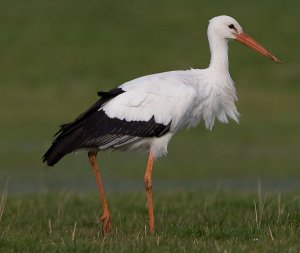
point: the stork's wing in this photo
(166, 99)
(124, 115)
(94, 129)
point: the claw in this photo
(106, 223)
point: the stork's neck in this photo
(219, 52)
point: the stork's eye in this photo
(231, 26)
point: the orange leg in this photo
(105, 218)
(148, 187)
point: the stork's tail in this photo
(53, 155)
(62, 145)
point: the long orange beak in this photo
(249, 42)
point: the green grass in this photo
(186, 222)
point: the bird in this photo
(146, 112)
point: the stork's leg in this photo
(148, 187)
(105, 218)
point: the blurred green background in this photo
(55, 55)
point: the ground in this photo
(185, 222)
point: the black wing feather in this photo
(94, 129)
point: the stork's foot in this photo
(106, 223)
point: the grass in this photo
(186, 222)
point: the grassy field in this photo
(186, 222)
(55, 56)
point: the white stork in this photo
(145, 113)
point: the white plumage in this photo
(180, 97)
(146, 112)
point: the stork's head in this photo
(228, 28)
(224, 26)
